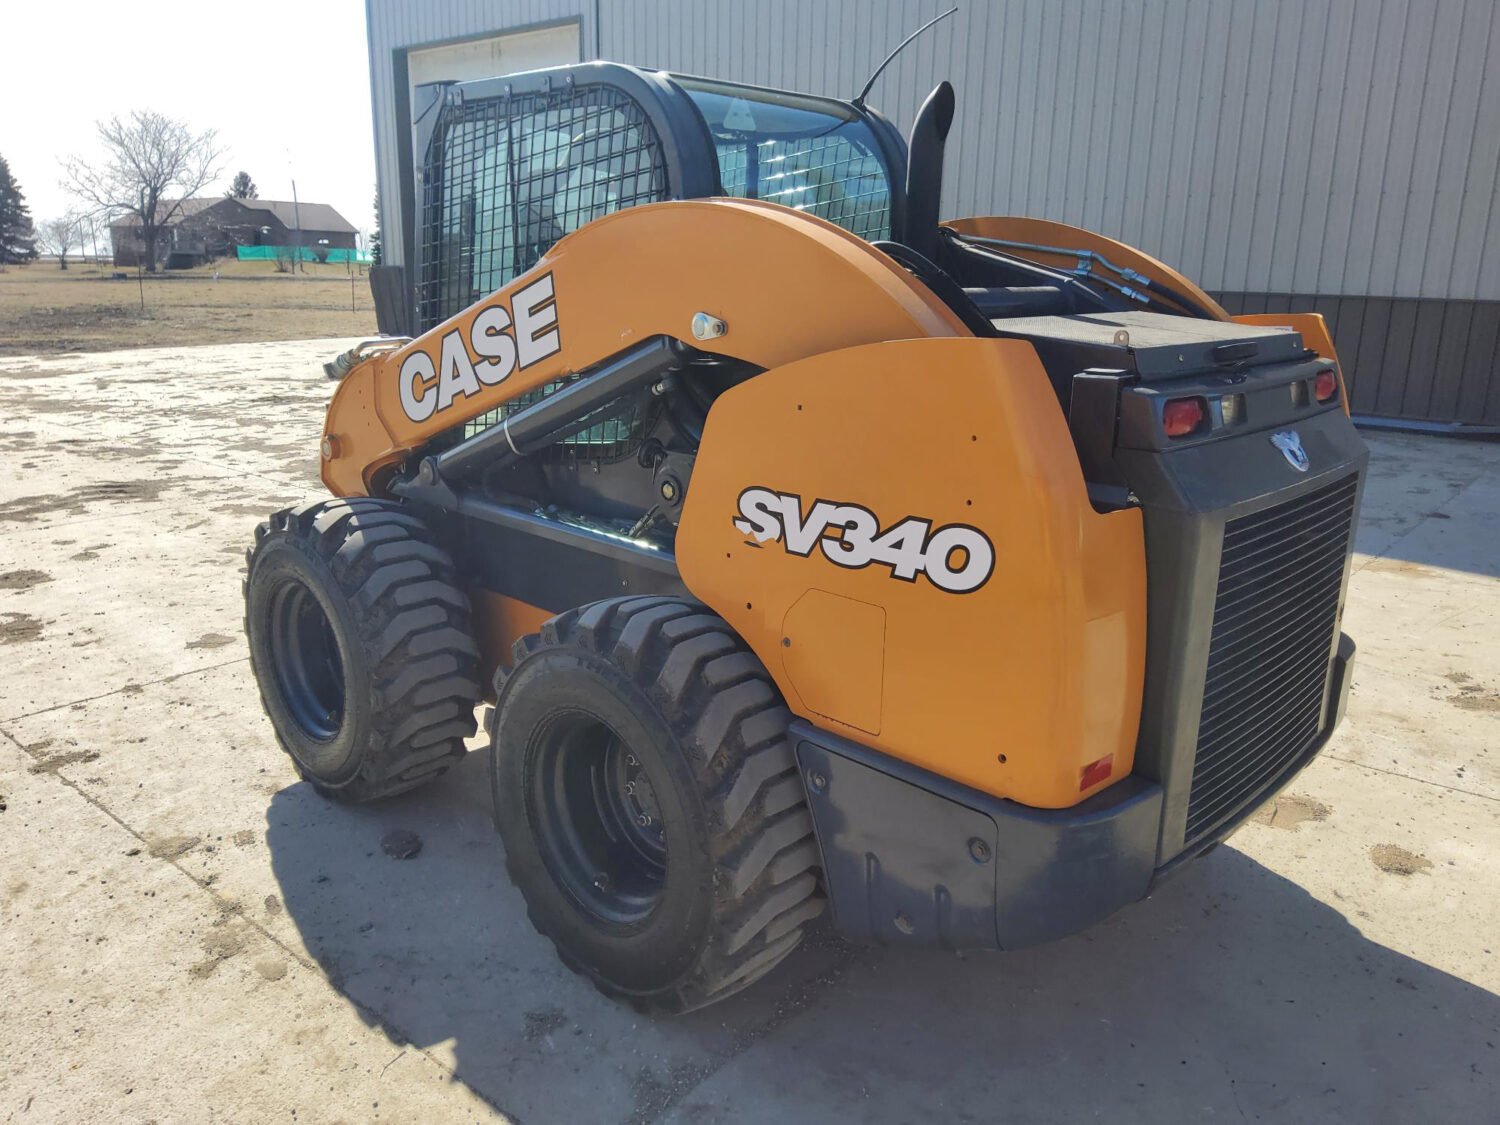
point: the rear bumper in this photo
(911, 858)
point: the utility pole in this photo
(296, 218)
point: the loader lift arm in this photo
(786, 284)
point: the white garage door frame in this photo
(494, 55)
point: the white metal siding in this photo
(1295, 146)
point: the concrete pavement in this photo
(190, 934)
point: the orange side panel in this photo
(840, 515)
(787, 284)
(1044, 232)
(1315, 335)
(500, 621)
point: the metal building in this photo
(1334, 155)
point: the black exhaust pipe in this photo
(924, 171)
(563, 413)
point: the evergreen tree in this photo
(375, 254)
(242, 187)
(17, 236)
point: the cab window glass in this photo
(806, 153)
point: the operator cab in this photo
(507, 166)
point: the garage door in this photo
(494, 55)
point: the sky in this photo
(286, 84)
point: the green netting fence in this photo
(305, 253)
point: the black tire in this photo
(668, 682)
(362, 646)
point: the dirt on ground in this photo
(1289, 811)
(1396, 860)
(45, 310)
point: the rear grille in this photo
(1275, 613)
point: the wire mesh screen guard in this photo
(504, 179)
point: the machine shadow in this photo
(1232, 991)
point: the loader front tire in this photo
(650, 803)
(362, 646)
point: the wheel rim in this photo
(305, 654)
(599, 822)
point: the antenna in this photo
(859, 102)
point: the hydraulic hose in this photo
(1086, 258)
(1187, 303)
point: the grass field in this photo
(45, 310)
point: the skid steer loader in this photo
(970, 577)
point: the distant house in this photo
(125, 233)
(212, 228)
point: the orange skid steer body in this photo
(1039, 554)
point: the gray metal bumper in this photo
(910, 858)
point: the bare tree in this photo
(154, 163)
(59, 236)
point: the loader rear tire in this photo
(650, 803)
(362, 646)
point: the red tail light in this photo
(1095, 772)
(1182, 416)
(1325, 385)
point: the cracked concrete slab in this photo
(149, 593)
(234, 947)
(128, 983)
(473, 991)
